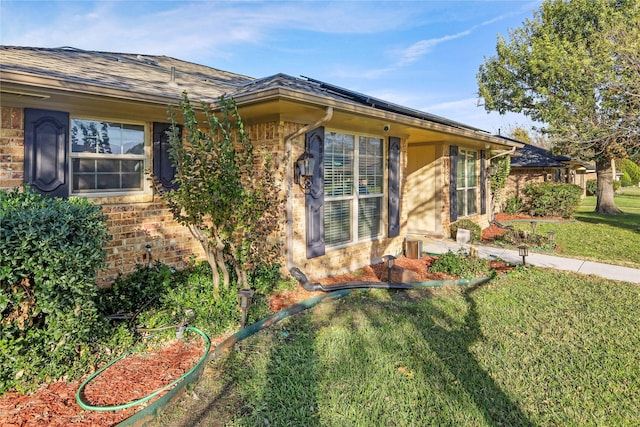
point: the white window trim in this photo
(463, 152)
(146, 161)
(384, 196)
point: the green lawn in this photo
(613, 239)
(534, 348)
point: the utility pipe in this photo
(503, 153)
(288, 149)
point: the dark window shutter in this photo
(46, 144)
(163, 168)
(483, 182)
(394, 186)
(453, 194)
(314, 199)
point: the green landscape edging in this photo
(150, 412)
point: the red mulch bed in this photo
(129, 379)
(138, 375)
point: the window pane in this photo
(471, 201)
(338, 164)
(471, 169)
(369, 217)
(460, 202)
(370, 166)
(105, 174)
(337, 222)
(460, 181)
(92, 136)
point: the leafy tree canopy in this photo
(575, 67)
(227, 194)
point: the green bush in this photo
(552, 199)
(592, 187)
(460, 265)
(50, 252)
(630, 171)
(476, 231)
(514, 205)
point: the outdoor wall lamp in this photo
(492, 170)
(523, 251)
(245, 296)
(303, 171)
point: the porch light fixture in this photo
(492, 170)
(303, 171)
(523, 251)
(245, 296)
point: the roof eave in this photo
(280, 93)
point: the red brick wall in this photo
(11, 147)
(133, 222)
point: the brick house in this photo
(531, 163)
(92, 124)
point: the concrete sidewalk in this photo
(607, 271)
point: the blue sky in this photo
(420, 54)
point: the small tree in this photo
(226, 196)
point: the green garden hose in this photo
(86, 406)
(150, 411)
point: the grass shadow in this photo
(453, 347)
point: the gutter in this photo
(288, 148)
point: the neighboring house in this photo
(92, 124)
(531, 163)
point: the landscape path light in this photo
(523, 251)
(389, 259)
(551, 235)
(245, 296)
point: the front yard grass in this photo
(535, 347)
(612, 239)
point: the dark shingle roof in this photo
(143, 74)
(168, 77)
(531, 156)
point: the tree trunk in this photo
(226, 280)
(211, 254)
(605, 203)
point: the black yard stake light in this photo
(245, 296)
(523, 251)
(551, 235)
(389, 259)
(534, 224)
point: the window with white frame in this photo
(467, 183)
(353, 187)
(106, 156)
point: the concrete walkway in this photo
(607, 271)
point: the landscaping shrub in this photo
(592, 187)
(630, 172)
(50, 252)
(476, 231)
(461, 265)
(552, 199)
(514, 205)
